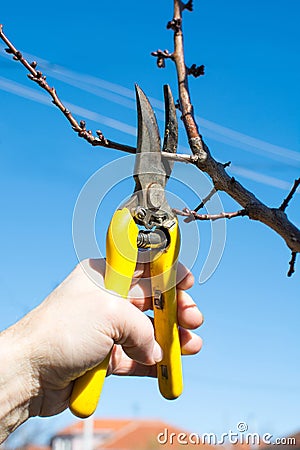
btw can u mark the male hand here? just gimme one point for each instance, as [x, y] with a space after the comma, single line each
[74, 329]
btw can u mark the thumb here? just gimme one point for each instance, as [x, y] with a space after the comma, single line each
[135, 333]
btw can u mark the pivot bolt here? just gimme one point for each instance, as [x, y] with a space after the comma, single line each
[156, 195]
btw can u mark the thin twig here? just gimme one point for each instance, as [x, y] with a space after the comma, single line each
[161, 56]
[292, 264]
[38, 77]
[193, 215]
[289, 197]
[206, 199]
[79, 127]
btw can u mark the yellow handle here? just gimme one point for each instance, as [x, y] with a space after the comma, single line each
[163, 270]
[121, 256]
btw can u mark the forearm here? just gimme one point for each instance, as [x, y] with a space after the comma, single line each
[16, 386]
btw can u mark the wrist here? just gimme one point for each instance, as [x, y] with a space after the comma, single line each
[17, 386]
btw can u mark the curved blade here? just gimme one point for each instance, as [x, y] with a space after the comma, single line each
[148, 164]
[171, 129]
[148, 133]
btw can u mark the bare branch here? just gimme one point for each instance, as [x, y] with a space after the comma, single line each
[79, 127]
[38, 77]
[193, 215]
[292, 264]
[184, 95]
[206, 199]
[274, 218]
[289, 197]
[180, 157]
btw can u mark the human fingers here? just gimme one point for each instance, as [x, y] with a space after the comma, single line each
[184, 277]
[122, 365]
[189, 316]
[141, 290]
[134, 332]
[190, 342]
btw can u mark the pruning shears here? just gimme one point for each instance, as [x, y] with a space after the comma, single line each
[144, 223]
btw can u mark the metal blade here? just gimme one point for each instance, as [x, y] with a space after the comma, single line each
[148, 204]
[171, 129]
[148, 163]
[148, 133]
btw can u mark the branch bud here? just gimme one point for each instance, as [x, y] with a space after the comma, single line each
[188, 6]
[17, 56]
[178, 105]
[161, 55]
[175, 25]
[196, 71]
[101, 137]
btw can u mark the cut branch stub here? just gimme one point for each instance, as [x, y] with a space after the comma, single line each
[292, 264]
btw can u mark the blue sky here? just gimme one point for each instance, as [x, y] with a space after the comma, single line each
[248, 105]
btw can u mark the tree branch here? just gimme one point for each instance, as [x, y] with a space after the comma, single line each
[79, 127]
[193, 215]
[206, 199]
[275, 218]
[289, 197]
[292, 264]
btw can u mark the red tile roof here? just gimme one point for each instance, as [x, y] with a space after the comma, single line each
[132, 434]
[36, 447]
[142, 435]
[138, 434]
[98, 424]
